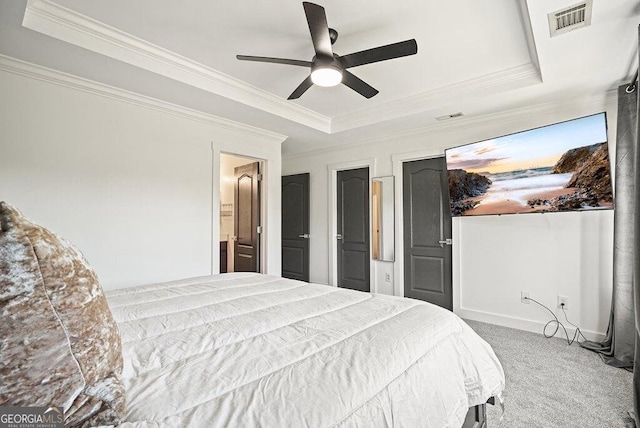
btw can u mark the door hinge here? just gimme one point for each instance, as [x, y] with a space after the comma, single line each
[259, 229]
[259, 177]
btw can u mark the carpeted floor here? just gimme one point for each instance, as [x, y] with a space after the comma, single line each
[550, 384]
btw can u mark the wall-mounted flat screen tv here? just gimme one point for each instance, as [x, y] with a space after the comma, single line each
[555, 168]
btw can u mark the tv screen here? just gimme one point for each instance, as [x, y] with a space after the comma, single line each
[560, 167]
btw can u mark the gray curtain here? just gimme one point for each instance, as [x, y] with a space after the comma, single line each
[621, 346]
[636, 268]
[618, 347]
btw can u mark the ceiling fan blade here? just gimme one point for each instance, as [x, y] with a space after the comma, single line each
[301, 89]
[381, 53]
[317, 20]
[358, 85]
[275, 60]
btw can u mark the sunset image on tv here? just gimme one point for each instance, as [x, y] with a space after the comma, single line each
[560, 167]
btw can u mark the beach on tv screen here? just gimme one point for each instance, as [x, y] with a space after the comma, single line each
[560, 167]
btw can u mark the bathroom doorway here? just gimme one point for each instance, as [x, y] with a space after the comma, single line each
[240, 214]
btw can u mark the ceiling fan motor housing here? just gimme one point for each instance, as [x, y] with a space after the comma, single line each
[333, 35]
[326, 62]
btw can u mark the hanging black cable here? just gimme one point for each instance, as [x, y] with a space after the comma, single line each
[558, 325]
[632, 85]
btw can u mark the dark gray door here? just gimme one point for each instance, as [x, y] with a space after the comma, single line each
[353, 229]
[247, 218]
[427, 221]
[295, 227]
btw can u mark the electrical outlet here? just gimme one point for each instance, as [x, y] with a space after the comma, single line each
[387, 277]
[563, 300]
[524, 297]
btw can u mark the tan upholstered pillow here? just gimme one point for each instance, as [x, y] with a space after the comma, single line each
[59, 344]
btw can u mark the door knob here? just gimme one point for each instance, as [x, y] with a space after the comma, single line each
[305, 236]
[447, 241]
[338, 237]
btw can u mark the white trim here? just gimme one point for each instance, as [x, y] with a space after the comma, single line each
[72, 27]
[528, 31]
[558, 106]
[26, 69]
[521, 323]
[456, 268]
[398, 266]
[264, 196]
[67, 25]
[215, 209]
[332, 172]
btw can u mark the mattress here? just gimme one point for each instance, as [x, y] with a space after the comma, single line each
[248, 349]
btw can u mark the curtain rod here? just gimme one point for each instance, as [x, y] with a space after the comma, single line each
[632, 85]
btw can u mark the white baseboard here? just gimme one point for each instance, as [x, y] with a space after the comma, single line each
[522, 324]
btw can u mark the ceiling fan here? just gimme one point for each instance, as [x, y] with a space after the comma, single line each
[329, 69]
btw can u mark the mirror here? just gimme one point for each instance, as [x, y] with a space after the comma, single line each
[383, 225]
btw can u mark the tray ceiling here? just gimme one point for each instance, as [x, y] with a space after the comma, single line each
[484, 59]
[458, 53]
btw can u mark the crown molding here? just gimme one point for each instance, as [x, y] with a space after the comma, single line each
[528, 32]
[33, 71]
[72, 27]
[47, 17]
[512, 78]
[559, 106]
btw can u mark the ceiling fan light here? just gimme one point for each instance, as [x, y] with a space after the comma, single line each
[326, 76]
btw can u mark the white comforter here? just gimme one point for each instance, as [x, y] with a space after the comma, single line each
[255, 350]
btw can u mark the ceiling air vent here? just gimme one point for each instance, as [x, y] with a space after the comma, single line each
[570, 18]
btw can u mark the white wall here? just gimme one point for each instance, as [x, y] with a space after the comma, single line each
[128, 180]
[495, 257]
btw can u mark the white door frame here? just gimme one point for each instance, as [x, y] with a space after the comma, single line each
[332, 171]
[215, 229]
[398, 267]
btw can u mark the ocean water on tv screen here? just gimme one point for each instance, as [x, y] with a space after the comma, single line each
[560, 167]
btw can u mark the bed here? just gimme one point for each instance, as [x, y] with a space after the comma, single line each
[247, 349]
[240, 349]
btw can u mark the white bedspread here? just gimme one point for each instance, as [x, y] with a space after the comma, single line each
[243, 350]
